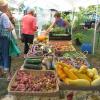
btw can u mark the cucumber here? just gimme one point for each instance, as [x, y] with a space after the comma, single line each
[33, 66]
[33, 61]
[35, 57]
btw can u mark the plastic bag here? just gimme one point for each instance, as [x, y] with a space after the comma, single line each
[13, 48]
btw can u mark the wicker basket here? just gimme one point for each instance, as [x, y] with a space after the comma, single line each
[34, 93]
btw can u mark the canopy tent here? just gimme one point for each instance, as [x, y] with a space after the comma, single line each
[60, 5]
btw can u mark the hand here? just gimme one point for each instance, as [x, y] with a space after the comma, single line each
[44, 33]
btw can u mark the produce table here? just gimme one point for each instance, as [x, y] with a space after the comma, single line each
[61, 87]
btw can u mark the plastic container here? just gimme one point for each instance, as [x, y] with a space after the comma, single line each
[86, 47]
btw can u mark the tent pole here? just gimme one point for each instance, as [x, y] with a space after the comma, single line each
[94, 36]
[19, 26]
[72, 21]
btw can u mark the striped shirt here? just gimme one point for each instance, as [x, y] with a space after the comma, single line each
[4, 24]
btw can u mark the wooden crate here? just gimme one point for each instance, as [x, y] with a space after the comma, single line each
[54, 92]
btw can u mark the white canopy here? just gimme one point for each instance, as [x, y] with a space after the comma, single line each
[60, 5]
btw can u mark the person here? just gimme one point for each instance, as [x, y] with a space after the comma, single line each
[5, 32]
[59, 22]
[29, 27]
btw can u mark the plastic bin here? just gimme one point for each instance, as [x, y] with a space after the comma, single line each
[86, 47]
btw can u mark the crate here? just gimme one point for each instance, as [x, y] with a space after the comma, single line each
[54, 92]
[55, 36]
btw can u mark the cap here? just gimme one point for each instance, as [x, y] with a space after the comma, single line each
[3, 2]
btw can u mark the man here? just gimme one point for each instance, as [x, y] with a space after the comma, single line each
[5, 29]
[29, 28]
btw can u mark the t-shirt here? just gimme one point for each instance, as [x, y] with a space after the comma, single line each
[60, 23]
[29, 24]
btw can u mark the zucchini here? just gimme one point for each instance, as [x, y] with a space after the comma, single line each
[32, 66]
[33, 61]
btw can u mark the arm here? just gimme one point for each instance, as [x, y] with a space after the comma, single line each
[50, 28]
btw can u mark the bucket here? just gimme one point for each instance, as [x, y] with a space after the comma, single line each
[86, 47]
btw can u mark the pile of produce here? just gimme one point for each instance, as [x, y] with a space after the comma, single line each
[67, 61]
[83, 76]
[58, 30]
[62, 46]
[74, 54]
[39, 50]
[26, 81]
[33, 63]
[76, 62]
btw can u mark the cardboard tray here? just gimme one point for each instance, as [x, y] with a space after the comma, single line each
[34, 93]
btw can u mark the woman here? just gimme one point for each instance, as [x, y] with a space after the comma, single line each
[5, 32]
[59, 22]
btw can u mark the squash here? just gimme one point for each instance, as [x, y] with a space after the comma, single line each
[66, 80]
[79, 82]
[60, 72]
[96, 77]
[41, 38]
[74, 70]
[96, 82]
[90, 73]
[70, 74]
[94, 70]
[83, 76]
[80, 75]
[83, 69]
[64, 65]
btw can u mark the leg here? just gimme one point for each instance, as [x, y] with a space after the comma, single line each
[26, 46]
[5, 53]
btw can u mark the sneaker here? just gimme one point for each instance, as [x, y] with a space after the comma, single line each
[6, 70]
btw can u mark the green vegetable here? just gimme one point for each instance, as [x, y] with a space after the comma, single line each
[33, 61]
[32, 66]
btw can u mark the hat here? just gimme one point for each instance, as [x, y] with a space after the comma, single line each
[3, 2]
[30, 10]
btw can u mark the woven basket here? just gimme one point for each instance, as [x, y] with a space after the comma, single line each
[34, 93]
